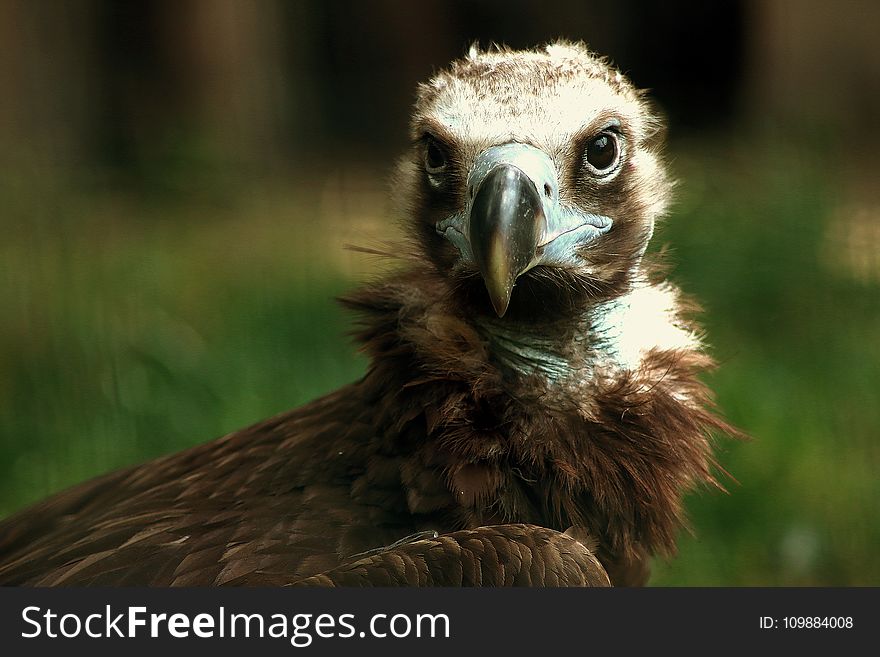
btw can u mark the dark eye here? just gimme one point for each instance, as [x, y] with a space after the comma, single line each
[602, 152]
[435, 156]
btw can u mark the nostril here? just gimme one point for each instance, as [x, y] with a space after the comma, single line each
[548, 190]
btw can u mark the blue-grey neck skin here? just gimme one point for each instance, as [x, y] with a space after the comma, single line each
[595, 342]
[566, 229]
[612, 336]
[528, 353]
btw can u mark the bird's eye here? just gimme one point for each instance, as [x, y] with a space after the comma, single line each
[435, 156]
[602, 152]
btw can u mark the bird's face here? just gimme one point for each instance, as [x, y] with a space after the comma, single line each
[535, 182]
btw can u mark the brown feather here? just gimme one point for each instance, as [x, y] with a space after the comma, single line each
[472, 558]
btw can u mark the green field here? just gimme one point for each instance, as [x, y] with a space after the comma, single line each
[140, 322]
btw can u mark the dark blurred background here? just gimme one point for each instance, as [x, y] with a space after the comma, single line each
[178, 180]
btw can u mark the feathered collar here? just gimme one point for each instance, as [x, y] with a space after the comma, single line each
[602, 423]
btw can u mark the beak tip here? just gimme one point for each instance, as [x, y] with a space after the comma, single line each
[500, 300]
[500, 307]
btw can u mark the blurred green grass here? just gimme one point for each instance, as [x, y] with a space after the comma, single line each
[762, 239]
[139, 323]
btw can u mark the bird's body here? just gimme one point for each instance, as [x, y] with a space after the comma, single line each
[495, 418]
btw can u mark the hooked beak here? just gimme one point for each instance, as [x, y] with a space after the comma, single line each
[506, 225]
[514, 220]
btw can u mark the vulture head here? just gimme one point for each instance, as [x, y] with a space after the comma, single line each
[534, 180]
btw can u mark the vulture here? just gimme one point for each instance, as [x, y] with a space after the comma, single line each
[532, 412]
